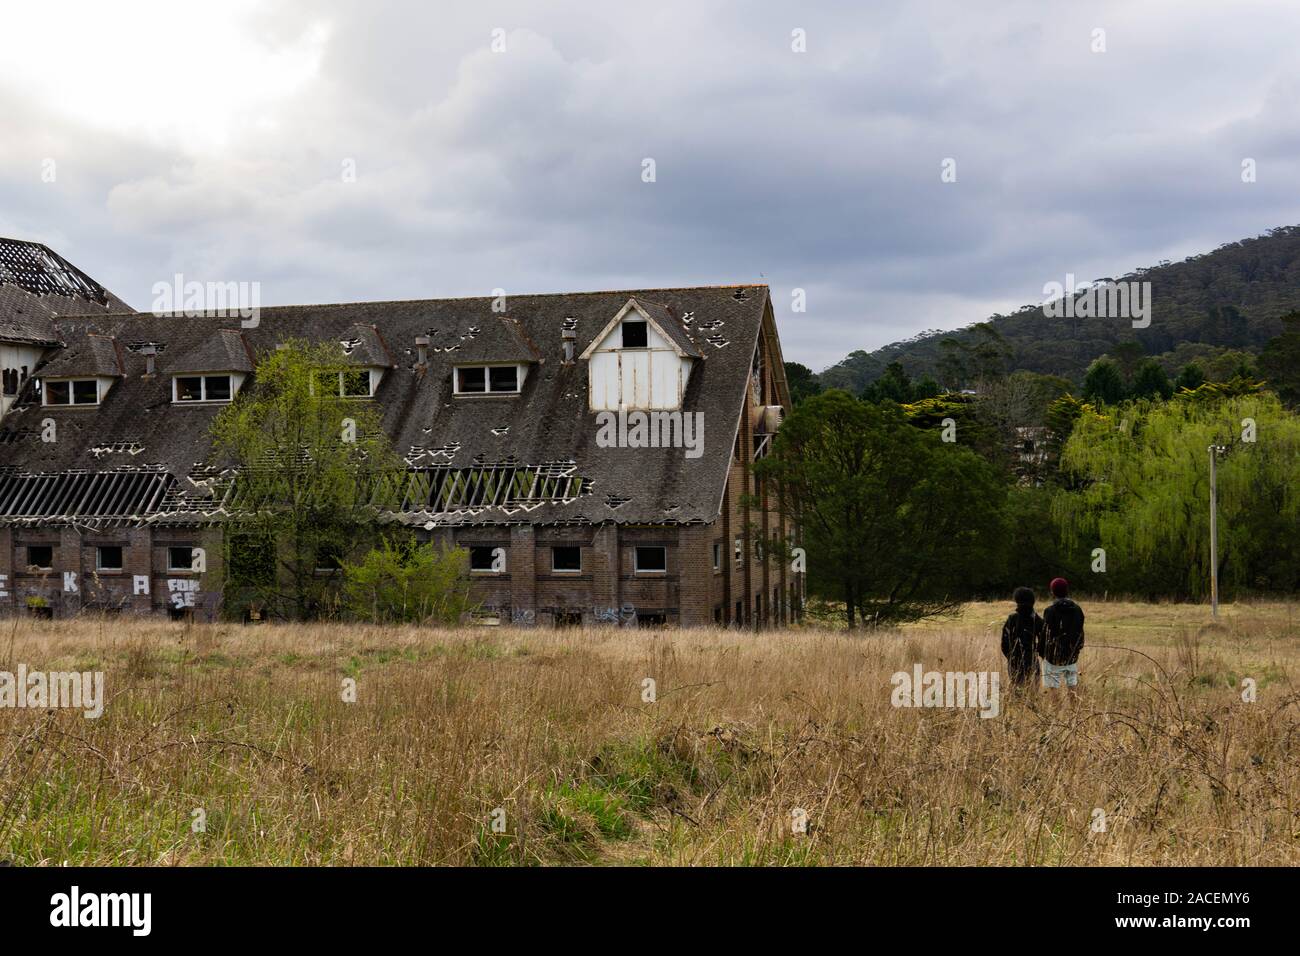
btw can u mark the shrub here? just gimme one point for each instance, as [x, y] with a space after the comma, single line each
[405, 583]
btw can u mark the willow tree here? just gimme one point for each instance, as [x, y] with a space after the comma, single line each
[1142, 494]
[312, 472]
[897, 523]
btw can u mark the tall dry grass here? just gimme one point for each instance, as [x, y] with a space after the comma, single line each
[549, 730]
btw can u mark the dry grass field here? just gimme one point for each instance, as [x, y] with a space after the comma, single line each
[549, 731]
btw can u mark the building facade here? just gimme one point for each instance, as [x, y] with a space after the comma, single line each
[593, 451]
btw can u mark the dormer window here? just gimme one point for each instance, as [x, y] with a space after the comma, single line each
[488, 379]
[350, 383]
[76, 391]
[192, 389]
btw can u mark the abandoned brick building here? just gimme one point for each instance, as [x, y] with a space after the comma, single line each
[496, 405]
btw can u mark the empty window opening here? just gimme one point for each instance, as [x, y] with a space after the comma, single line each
[635, 335]
[651, 559]
[40, 557]
[566, 558]
[180, 558]
[108, 557]
[652, 620]
[485, 558]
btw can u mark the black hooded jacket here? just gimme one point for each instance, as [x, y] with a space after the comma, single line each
[1021, 635]
[1063, 638]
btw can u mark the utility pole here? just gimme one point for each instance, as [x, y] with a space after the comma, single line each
[1214, 450]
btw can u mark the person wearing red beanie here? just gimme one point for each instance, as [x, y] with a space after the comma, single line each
[1062, 639]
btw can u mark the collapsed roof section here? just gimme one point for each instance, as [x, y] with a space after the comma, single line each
[37, 285]
[527, 457]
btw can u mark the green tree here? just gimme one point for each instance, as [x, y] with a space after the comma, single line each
[1191, 377]
[897, 524]
[1280, 361]
[1150, 381]
[1128, 355]
[803, 383]
[894, 386]
[1144, 498]
[311, 473]
[1103, 383]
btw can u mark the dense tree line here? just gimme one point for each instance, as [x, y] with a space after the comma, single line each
[914, 497]
[1225, 305]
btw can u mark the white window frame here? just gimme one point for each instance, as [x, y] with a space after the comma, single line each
[339, 391]
[520, 373]
[717, 556]
[72, 384]
[577, 570]
[740, 550]
[636, 559]
[203, 389]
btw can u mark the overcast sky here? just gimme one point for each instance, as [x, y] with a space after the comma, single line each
[216, 141]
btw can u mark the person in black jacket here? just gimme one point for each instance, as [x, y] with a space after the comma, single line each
[1021, 635]
[1062, 639]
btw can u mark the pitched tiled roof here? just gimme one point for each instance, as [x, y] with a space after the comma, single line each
[363, 346]
[86, 354]
[37, 285]
[225, 350]
[544, 438]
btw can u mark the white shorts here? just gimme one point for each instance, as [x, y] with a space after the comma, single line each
[1054, 674]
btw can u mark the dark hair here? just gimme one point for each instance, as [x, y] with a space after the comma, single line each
[1024, 597]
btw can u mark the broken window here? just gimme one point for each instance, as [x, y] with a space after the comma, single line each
[635, 335]
[483, 558]
[651, 559]
[216, 388]
[108, 557]
[352, 383]
[75, 392]
[189, 389]
[651, 620]
[740, 550]
[566, 558]
[568, 617]
[355, 383]
[180, 558]
[471, 380]
[40, 557]
[329, 557]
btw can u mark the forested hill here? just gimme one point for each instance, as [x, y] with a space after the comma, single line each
[1208, 307]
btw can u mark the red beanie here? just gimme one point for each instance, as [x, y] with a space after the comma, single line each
[1059, 587]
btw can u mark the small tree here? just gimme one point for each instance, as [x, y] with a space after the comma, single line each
[1103, 383]
[311, 471]
[1150, 381]
[405, 583]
